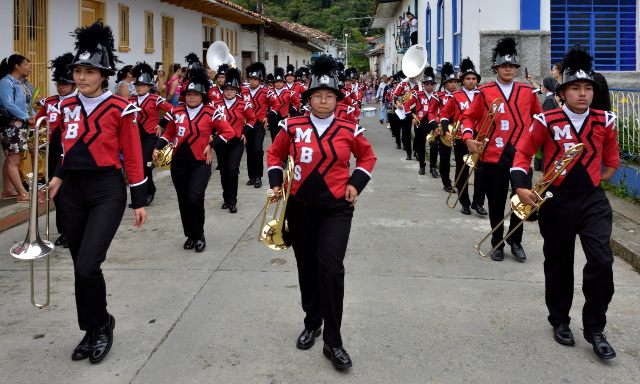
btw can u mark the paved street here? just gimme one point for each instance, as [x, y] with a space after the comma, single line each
[420, 305]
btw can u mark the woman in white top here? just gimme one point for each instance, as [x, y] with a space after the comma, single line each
[124, 82]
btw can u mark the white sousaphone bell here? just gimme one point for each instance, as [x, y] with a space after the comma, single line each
[414, 61]
[218, 54]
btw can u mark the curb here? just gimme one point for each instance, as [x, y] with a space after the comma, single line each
[21, 216]
[626, 254]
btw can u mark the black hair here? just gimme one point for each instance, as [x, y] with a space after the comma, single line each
[122, 73]
[601, 97]
[9, 64]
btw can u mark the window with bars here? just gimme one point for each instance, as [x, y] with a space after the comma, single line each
[30, 39]
[456, 13]
[607, 28]
[123, 40]
[148, 32]
[428, 30]
[167, 41]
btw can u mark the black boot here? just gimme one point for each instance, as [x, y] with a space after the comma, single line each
[83, 349]
[101, 341]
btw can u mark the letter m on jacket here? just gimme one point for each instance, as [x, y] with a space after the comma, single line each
[303, 135]
[565, 132]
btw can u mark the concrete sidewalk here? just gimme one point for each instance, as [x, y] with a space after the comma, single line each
[420, 305]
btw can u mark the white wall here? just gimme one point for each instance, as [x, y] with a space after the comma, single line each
[6, 21]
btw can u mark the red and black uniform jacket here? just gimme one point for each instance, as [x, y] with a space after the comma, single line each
[511, 121]
[262, 102]
[349, 101]
[342, 111]
[240, 115]
[425, 106]
[452, 111]
[215, 93]
[49, 108]
[321, 171]
[300, 87]
[288, 99]
[554, 131]
[191, 136]
[94, 142]
[148, 116]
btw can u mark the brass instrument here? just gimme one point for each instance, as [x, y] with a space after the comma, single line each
[274, 233]
[431, 137]
[33, 247]
[163, 157]
[455, 135]
[524, 211]
[472, 159]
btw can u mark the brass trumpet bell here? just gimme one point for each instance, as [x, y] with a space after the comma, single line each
[165, 155]
[273, 238]
[274, 229]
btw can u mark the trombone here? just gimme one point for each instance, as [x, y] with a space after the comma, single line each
[274, 233]
[472, 159]
[524, 211]
[33, 247]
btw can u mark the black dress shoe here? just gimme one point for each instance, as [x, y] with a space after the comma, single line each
[307, 338]
[518, 252]
[465, 210]
[497, 255]
[448, 188]
[421, 171]
[201, 244]
[189, 244]
[101, 341]
[601, 346]
[479, 209]
[251, 182]
[61, 241]
[83, 349]
[408, 157]
[398, 146]
[130, 205]
[258, 183]
[224, 206]
[149, 200]
[338, 356]
[233, 209]
[563, 335]
[434, 173]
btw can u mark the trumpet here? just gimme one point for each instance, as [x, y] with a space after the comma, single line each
[455, 135]
[471, 159]
[432, 136]
[274, 228]
[163, 157]
[33, 247]
[524, 211]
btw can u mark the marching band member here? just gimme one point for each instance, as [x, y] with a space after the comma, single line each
[269, 81]
[320, 207]
[450, 83]
[193, 61]
[286, 98]
[242, 118]
[66, 88]
[404, 90]
[216, 92]
[291, 85]
[434, 103]
[192, 125]
[394, 121]
[450, 115]
[96, 126]
[579, 205]
[148, 118]
[264, 102]
[512, 118]
[426, 112]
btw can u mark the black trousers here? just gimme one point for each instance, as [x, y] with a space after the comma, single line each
[229, 158]
[407, 124]
[274, 120]
[497, 179]
[55, 151]
[433, 153]
[255, 151]
[190, 181]
[92, 204]
[445, 163]
[589, 216]
[320, 233]
[459, 150]
[148, 142]
[420, 142]
[396, 125]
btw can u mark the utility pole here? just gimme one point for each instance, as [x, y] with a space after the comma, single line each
[260, 10]
[346, 51]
